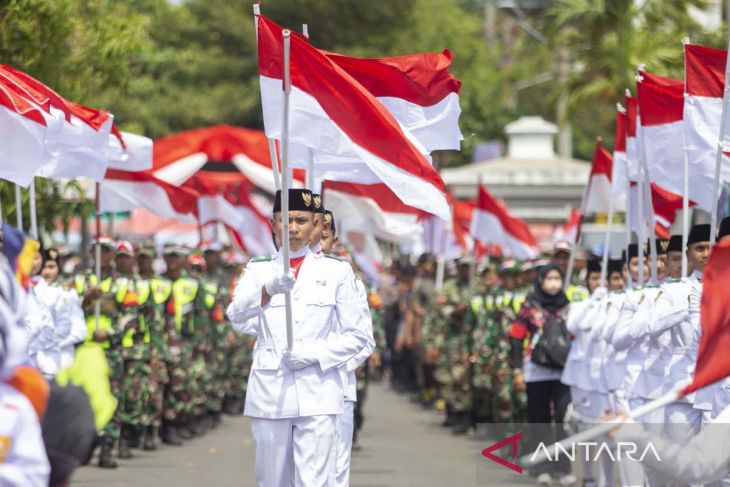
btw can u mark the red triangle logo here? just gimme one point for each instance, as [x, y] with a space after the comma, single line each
[512, 440]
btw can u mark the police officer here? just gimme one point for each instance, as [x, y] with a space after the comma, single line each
[294, 395]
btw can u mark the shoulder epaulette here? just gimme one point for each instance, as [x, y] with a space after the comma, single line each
[335, 258]
[262, 258]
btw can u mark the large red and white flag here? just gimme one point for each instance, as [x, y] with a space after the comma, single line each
[492, 224]
[373, 208]
[177, 157]
[568, 231]
[705, 83]
[661, 114]
[224, 199]
[23, 127]
[124, 191]
[598, 190]
[713, 361]
[77, 141]
[417, 89]
[331, 113]
[129, 152]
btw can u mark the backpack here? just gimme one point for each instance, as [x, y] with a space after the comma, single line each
[551, 343]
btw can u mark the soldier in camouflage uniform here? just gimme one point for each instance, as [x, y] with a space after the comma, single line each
[187, 309]
[454, 367]
[158, 328]
[509, 404]
[217, 284]
[107, 333]
[483, 326]
[240, 348]
[135, 352]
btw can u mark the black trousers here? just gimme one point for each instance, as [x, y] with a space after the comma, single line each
[547, 402]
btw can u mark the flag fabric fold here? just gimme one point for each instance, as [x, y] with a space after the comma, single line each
[598, 190]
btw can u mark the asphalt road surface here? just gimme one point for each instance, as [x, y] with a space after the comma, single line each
[402, 446]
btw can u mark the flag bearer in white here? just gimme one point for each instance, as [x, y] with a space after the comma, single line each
[346, 421]
[295, 395]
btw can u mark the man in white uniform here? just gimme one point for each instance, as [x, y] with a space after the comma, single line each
[295, 395]
[346, 421]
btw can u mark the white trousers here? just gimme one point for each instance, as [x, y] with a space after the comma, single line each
[295, 452]
[345, 428]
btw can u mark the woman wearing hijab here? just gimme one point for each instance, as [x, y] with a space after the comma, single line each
[541, 324]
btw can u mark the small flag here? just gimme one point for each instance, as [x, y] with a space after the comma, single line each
[20, 251]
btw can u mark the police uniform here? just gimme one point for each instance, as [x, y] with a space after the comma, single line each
[294, 407]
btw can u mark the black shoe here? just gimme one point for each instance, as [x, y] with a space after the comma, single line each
[105, 456]
[461, 423]
[124, 452]
[135, 436]
[215, 419]
[148, 444]
[169, 434]
[183, 430]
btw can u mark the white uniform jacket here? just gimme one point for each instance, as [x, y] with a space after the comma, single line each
[580, 317]
[23, 460]
[328, 322]
[348, 370]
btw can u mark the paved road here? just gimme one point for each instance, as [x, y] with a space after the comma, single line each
[402, 446]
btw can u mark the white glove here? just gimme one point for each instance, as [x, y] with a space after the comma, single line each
[296, 359]
[280, 284]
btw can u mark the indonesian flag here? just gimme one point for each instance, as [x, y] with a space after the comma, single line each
[632, 149]
[598, 191]
[713, 361]
[620, 174]
[463, 213]
[661, 106]
[568, 231]
[76, 140]
[23, 128]
[492, 224]
[705, 83]
[129, 152]
[374, 208]
[125, 191]
[179, 156]
[224, 199]
[335, 116]
[417, 89]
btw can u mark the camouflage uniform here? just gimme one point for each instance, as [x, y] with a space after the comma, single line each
[112, 318]
[454, 368]
[484, 317]
[217, 299]
[239, 357]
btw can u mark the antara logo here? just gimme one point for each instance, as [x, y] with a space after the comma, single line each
[512, 440]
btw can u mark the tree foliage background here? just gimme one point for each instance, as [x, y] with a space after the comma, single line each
[162, 66]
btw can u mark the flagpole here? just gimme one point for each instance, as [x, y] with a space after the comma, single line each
[607, 243]
[627, 217]
[649, 206]
[286, 34]
[685, 186]
[718, 158]
[97, 254]
[310, 171]
[641, 227]
[18, 209]
[33, 215]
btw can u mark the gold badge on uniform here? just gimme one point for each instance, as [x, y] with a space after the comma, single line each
[4, 448]
[307, 198]
[664, 245]
[317, 201]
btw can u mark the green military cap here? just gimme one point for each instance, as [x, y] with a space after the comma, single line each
[175, 249]
[147, 248]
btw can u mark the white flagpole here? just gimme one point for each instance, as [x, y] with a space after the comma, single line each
[607, 243]
[97, 255]
[310, 172]
[286, 34]
[18, 209]
[642, 227]
[629, 231]
[718, 159]
[33, 215]
[305, 30]
[685, 187]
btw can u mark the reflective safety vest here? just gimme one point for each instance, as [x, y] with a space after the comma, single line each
[184, 291]
[105, 322]
[211, 290]
[517, 301]
[576, 293]
[143, 293]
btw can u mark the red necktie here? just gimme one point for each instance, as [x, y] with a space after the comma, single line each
[295, 264]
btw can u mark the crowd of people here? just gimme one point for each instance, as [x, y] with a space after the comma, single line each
[508, 342]
[514, 343]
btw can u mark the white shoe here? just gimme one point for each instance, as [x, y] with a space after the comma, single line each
[544, 479]
[568, 480]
